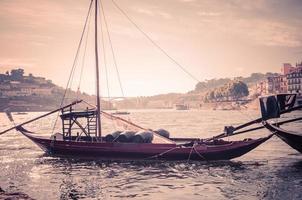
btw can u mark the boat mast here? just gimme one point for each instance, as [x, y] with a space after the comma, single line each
[98, 103]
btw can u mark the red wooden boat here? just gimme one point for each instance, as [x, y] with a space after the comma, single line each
[82, 132]
[180, 149]
[90, 145]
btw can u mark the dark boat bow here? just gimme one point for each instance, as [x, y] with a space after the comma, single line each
[293, 139]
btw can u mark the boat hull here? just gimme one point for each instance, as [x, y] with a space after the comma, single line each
[146, 151]
[291, 138]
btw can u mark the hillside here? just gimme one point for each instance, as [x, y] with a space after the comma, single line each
[195, 98]
[216, 83]
[22, 92]
[32, 93]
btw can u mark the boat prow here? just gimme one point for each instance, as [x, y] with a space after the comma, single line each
[291, 138]
[273, 107]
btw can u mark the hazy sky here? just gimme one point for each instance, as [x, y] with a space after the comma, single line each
[211, 38]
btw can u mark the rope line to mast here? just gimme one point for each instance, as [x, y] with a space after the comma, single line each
[104, 52]
[154, 43]
[161, 49]
[105, 59]
[74, 64]
[161, 154]
[112, 50]
[84, 54]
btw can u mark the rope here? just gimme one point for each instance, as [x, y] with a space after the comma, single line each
[111, 117]
[154, 43]
[161, 49]
[169, 150]
[84, 55]
[74, 64]
[198, 153]
[193, 148]
[190, 152]
[104, 53]
[160, 154]
[112, 51]
[105, 60]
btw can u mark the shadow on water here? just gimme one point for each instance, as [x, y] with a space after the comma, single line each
[286, 182]
[92, 163]
[90, 178]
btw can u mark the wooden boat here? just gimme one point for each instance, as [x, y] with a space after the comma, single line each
[291, 138]
[189, 150]
[274, 107]
[161, 147]
[82, 133]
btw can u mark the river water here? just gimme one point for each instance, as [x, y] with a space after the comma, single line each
[272, 171]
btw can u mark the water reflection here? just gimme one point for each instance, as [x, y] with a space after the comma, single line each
[286, 182]
[80, 178]
[265, 173]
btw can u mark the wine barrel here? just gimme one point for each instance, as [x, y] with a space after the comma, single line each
[112, 136]
[163, 132]
[143, 137]
[126, 136]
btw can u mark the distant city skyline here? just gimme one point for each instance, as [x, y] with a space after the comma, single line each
[211, 38]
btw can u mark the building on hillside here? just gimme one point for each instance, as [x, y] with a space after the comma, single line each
[276, 84]
[41, 80]
[260, 88]
[283, 84]
[5, 86]
[3, 77]
[287, 68]
[13, 93]
[42, 91]
[15, 84]
[287, 81]
[294, 81]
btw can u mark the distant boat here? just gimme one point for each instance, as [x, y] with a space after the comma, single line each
[21, 113]
[120, 113]
[181, 107]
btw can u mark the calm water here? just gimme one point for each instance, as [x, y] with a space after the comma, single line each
[272, 171]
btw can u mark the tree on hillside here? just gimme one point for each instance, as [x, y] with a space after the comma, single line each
[238, 89]
[17, 74]
[215, 83]
[234, 90]
[210, 84]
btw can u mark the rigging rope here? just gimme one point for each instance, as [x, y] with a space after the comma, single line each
[84, 54]
[112, 51]
[160, 48]
[74, 64]
[106, 71]
[104, 52]
[154, 43]
[105, 62]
